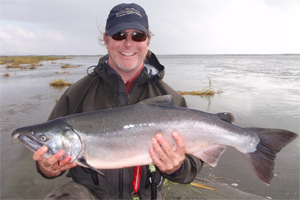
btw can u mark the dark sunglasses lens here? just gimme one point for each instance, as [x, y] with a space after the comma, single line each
[139, 37]
[136, 36]
[119, 36]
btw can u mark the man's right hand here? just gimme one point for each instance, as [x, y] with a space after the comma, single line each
[52, 166]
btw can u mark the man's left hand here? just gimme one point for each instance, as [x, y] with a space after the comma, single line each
[164, 157]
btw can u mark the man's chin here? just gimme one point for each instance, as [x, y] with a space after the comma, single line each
[128, 69]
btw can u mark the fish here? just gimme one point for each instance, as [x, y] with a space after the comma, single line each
[120, 137]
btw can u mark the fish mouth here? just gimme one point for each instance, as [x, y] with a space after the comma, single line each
[32, 144]
[27, 138]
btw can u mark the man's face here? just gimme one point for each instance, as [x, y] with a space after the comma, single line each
[126, 55]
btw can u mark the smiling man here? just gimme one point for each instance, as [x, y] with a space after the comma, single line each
[128, 74]
[126, 56]
[127, 39]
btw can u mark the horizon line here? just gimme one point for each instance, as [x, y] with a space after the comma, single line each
[187, 54]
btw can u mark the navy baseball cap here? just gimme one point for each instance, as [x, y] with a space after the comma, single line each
[127, 16]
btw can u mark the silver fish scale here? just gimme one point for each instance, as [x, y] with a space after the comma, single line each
[107, 133]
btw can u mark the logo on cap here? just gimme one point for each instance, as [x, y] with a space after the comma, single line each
[128, 11]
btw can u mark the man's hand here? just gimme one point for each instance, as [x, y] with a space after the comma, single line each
[52, 166]
[163, 156]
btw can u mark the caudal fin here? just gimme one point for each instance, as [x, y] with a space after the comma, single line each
[271, 142]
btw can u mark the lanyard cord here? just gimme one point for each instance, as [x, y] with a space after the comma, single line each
[136, 179]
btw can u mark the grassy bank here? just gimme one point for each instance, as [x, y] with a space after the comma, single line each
[22, 61]
[70, 66]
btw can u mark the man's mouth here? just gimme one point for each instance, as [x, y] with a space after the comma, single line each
[127, 54]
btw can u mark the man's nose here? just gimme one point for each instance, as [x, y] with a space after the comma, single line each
[128, 41]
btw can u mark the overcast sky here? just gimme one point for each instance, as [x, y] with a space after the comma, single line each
[71, 27]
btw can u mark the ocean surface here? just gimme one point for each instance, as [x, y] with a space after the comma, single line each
[259, 90]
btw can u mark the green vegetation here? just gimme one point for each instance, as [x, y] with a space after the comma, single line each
[22, 61]
[70, 66]
[60, 83]
[204, 92]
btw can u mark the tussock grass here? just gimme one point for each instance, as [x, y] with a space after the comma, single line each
[205, 92]
[70, 66]
[30, 66]
[6, 74]
[60, 83]
[66, 72]
[13, 66]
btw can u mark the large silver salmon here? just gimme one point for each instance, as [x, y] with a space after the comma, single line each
[121, 137]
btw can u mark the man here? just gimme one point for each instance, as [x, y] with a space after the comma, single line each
[127, 75]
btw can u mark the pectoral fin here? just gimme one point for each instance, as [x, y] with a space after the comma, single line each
[84, 162]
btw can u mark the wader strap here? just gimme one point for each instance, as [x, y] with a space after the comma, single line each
[152, 180]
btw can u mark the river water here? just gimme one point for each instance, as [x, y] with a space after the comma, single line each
[259, 90]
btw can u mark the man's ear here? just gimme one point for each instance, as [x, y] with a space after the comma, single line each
[149, 39]
[105, 39]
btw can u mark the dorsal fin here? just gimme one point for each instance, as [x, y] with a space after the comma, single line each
[159, 100]
[228, 117]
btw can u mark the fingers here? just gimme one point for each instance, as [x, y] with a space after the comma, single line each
[54, 159]
[39, 153]
[164, 157]
[53, 165]
[179, 142]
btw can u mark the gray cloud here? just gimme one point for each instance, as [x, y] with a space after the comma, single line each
[180, 27]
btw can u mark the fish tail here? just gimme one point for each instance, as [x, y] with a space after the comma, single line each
[271, 142]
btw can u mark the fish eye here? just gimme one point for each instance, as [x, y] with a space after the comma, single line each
[43, 137]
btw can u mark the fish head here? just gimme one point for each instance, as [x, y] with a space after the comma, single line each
[54, 134]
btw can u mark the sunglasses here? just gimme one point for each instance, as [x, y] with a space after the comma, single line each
[135, 36]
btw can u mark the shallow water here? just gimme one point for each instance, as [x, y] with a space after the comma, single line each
[259, 90]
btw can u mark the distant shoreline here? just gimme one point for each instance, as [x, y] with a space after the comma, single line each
[283, 54]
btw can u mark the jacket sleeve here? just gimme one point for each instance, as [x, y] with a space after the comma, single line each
[191, 166]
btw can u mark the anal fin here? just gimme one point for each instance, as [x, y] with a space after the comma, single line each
[211, 154]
